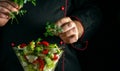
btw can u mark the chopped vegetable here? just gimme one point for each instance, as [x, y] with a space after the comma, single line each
[38, 55]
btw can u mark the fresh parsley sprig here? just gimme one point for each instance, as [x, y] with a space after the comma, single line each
[20, 4]
[52, 29]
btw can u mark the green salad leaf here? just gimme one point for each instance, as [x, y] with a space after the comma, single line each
[21, 12]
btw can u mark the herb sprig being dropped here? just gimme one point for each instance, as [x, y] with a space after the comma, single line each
[20, 12]
[52, 29]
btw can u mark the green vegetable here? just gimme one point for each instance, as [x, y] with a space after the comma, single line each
[20, 12]
[32, 58]
[49, 62]
[52, 29]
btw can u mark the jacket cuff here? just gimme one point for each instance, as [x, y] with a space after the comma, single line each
[81, 46]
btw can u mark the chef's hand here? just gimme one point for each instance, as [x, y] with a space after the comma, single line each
[6, 6]
[72, 30]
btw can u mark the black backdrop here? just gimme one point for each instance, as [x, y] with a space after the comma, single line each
[103, 50]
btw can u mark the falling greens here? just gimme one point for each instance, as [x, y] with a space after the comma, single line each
[20, 12]
[52, 29]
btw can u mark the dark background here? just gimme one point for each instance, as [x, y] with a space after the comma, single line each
[103, 51]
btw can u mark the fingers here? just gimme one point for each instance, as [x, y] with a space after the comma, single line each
[63, 21]
[9, 5]
[69, 30]
[70, 40]
[13, 4]
[68, 26]
[4, 12]
[6, 7]
[69, 33]
[3, 21]
[3, 16]
[70, 36]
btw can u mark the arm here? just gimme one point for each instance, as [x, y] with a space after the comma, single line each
[82, 23]
[89, 15]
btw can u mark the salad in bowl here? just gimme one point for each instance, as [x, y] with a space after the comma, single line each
[38, 55]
